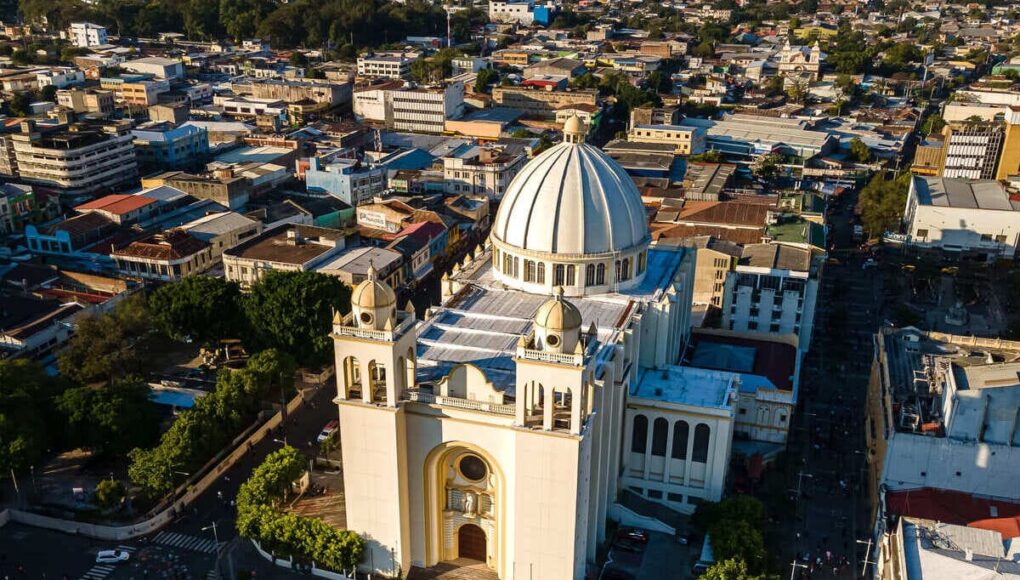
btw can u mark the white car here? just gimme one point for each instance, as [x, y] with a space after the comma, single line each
[111, 556]
[327, 431]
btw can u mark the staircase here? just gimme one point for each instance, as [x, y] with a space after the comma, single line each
[653, 509]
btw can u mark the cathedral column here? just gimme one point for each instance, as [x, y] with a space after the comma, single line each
[522, 405]
[576, 400]
[549, 401]
[648, 444]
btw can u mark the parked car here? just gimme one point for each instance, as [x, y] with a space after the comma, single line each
[327, 431]
[112, 557]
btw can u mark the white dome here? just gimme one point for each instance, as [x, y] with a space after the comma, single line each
[573, 199]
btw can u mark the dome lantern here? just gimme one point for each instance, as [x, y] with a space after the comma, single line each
[557, 325]
[373, 302]
[574, 130]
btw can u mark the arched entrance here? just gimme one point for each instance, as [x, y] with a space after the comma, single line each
[471, 542]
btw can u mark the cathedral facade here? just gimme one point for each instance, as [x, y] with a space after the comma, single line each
[503, 425]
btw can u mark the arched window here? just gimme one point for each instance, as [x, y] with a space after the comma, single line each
[700, 452]
[516, 267]
[529, 271]
[541, 273]
[600, 277]
[617, 272]
[642, 262]
[659, 430]
[639, 434]
[681, 430]
[558, 275]
[508, 264]
[625, 275]
[589, 275]
[495, 258]
[571, 276]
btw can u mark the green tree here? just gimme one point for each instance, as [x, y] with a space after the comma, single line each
[109, 494]
[859, 151]
[933, 124]
[704, 49]
[711, 156]
[766, 166]
[733, 569]
[293, 311]
[198, 433]
[486, 76]
[774, 87]
[201, 307]
[29, 423]
[109, 345]
[111, 419]
[881, 203]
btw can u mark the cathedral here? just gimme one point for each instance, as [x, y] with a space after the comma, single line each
[502, 425]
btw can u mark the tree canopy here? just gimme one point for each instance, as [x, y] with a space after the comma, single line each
[110, 419]
[202, 307]
[881, 203]
[109, 346]
[29, 421]
[292, 311]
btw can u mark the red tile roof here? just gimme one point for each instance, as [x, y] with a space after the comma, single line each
[117, 203]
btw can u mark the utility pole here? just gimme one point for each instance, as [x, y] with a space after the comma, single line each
[216, 536]
[867, 554]
[793, 567]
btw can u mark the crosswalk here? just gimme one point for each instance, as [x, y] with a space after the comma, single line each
[101, 571]
[186, 542]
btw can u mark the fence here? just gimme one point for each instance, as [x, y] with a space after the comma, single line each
[121, 533]
[289, 564]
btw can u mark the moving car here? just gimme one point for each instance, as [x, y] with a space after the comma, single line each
[327, 431]
[112, 557]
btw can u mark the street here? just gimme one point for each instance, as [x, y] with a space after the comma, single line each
[826, 448]
[188, 545]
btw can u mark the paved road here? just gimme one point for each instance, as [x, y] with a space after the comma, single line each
[187, 545]
[826, 448]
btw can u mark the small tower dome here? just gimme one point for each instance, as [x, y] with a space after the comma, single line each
[574, 130]
[374, 303]
[557, 325]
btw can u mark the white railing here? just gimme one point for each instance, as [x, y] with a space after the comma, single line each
[456, 402]
[349, 328]
[570, 359]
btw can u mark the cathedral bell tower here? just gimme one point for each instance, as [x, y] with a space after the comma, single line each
[375, 364]
[554, 389]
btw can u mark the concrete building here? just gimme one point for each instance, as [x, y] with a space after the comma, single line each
[86, 34]
[60, 77]
[350, 180]
[1009, 161]
[504, 426]
[962, 216]
[224, 187]
[773, 289]
[512, 12]
[942, 437]
[289, 247]
[540, 103]
[161, 145]
[971, 150]
[716, 259]
[80, 159]
[222, 231]
[157, 66]
[482, 170]
[164, 257]
[420, 110]
[388, 65]
[743, 137]
[87, 100]
[687, 140]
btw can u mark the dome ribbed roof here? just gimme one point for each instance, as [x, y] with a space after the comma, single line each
[572, 199]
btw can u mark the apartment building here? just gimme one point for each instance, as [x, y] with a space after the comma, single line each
[542, 103]
[77, 159]
[387, 65]
[773, 289]
[224, 187]
[86, 34]
[971, 150]
[347, 179]
[482, 169]
[686, 140]
[161, 145]
[512, 12]
[157, 66]
[421, 109]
